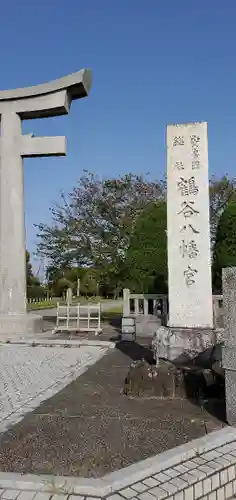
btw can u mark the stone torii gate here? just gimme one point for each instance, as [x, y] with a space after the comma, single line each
[46, 100]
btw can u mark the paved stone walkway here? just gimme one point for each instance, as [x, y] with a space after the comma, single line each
[29, 375]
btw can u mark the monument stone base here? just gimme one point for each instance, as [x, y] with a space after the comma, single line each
[20, 325]
[171, 342]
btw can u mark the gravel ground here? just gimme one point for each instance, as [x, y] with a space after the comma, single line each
[90, 428]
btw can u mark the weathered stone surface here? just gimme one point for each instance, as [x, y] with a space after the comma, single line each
[170, 343]
[189, 261]
[18, 325]
[229, 303]
[164, 380]
[229, 350]
[138, 378]
[168, 380]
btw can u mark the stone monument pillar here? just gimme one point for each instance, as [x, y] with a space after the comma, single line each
[190, 324]
[229, 348]
[46, 100]
[189, 259]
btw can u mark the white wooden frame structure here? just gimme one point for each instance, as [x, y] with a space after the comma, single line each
[78, 318]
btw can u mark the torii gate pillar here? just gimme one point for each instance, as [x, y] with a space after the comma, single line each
[46, 100]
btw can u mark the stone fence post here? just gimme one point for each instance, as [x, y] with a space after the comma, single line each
[126, 302]
[229, 348]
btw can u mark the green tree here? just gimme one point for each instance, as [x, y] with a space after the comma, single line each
[146, 261]
[61, 286]
[60, 278]
[221, 192]
[92, 225]
[224, 254]
[89, 282]
[29, 272]
[34, 288]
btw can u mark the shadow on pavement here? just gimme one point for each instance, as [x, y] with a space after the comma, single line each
[136, 351]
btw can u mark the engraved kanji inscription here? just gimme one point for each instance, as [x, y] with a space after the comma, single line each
[179, 165]
[178, 140]
[185, 227]
[188, 209]
[195, 164]
[187, 186]
[195, 141]
[195, 144]
[189, 275]
[189, 249]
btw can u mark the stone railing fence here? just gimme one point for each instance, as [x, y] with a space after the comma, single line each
[136, 304]
[39, 300]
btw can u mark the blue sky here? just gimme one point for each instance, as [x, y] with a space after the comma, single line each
[154, 62]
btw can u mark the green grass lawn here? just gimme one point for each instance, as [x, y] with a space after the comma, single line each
[37, 306]
[46, 304]
[114, 312]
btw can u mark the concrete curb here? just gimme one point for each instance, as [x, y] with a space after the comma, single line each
[59, 343]
[123, 478]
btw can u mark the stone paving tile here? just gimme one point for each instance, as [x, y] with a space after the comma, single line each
[161, 477]
[76, 497]
[59, 497]
[93, 498]
[169, 487]
[229, 490]
[116, 496]
[127, 493]
[151, 482]
[158, 493]
[139, 487]
[42, 496]
[171, 473]
[10, 494]
[26, 495]
[179, 482]
[146, 496]
[189, 493]
[181, 468]
[215, 481]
